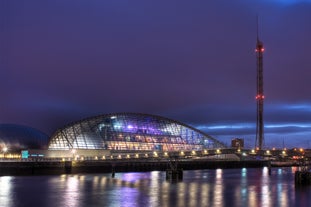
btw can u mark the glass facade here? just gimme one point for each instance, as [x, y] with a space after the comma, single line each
[129, 131]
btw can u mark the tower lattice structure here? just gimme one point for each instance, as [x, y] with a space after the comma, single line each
[259, 96]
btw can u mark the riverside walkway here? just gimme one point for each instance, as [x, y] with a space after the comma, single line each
[148, 161]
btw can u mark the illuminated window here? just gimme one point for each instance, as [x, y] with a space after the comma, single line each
[132, 132]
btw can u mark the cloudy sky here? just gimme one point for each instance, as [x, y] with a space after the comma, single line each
[192, 61]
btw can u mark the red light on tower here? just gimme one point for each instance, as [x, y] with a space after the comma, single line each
[259, 49]
[260, 97]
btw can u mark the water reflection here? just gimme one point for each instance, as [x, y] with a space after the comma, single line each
[252, 198]
[218, 197]
[265, 191]
[205, 195]
[227, 187]
[199, 188]
[241, 192]
[193, 187]
[70, 188]
[5, 191]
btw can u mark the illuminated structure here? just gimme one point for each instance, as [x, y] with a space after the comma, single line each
[131, 132]
[16, 137]
[260, 95]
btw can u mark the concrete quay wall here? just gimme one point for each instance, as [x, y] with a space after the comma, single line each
[108, 166]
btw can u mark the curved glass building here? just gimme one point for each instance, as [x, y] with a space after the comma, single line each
[131, 131]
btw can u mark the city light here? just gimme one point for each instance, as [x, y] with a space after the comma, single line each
[5, 149]
[144, 130]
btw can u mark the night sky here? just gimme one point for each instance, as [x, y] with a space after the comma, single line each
[192, 61]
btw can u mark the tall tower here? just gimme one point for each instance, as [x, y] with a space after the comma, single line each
[260, 95]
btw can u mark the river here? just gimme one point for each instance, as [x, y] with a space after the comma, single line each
[220, 187]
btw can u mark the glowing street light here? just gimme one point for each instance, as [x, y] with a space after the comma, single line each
[5, 149]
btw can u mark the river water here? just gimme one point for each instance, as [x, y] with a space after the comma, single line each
[221, 187]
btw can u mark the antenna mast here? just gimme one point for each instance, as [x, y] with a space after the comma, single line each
[260, 95]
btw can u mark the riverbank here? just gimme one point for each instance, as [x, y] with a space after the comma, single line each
[108, 166]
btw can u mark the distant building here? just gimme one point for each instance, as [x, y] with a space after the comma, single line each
[237, 143]
[17, 137]
[14, 138]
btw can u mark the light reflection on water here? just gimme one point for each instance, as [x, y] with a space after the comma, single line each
[222, 187]
[218, 194]
[5, 191]
[265, 191]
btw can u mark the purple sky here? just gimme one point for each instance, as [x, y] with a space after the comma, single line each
[192, 61]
